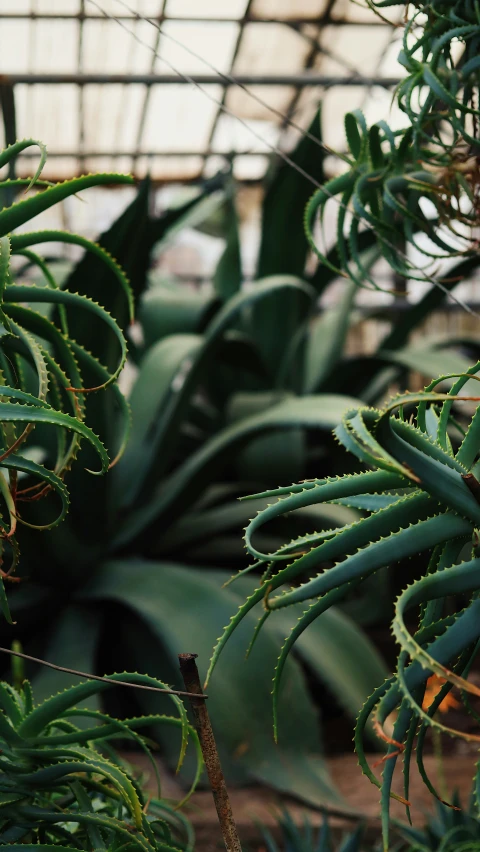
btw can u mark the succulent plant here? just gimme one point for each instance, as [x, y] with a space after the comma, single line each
[62, 785]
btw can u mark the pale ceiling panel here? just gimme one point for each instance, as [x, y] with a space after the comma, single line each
[179, 118]
[270, 49]
[288, 8]
[55, 7]
[122, 165]
[347, 10]
[111, 117]
[20, 7]
[99, 164]
[231, 135]
[54, 47]
[360, 47]
[214, 41]
[169, 168]
[56, 168]
[182, 118]
[128, 8]
[243, 105]
[250, 168]
[110, 49]
[206, 8]
[49, 113]
[15, 46]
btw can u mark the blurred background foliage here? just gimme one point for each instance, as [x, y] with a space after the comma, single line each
[234, 387]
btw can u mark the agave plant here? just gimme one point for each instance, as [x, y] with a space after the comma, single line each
[64, 787]
[127, 561]
[308, 839]
[447, 830]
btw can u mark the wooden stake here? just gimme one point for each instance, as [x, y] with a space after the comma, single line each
[188, 668]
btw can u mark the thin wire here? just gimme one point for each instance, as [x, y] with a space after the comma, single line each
[99, 678]
[276, 150]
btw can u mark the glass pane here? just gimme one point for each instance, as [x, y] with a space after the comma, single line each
[346, 10]
[171, 168]
[56, 168]
[278, 9]
[112, 117]
[14, 46]
[56, 7]
[243, 105]
[49, 113]
[53, 47]
[110, 49]
[352, 49]
[206, 8]
[250, 168]
[214, 41]
[15, 7]
[179, 118]
[232, 135]
[270, 49]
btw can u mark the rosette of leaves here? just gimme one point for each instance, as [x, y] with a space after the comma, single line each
[391, 175]
[307, 838]
[385, 189]
[45, 372]
[134, 574]
[420, 494]
[447, 830]
[63, 786]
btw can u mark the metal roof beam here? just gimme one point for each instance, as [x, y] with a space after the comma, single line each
[218, 19]
[228, 155]
[301, 80]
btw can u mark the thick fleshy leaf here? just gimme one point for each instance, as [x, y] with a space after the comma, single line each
[172, 310]
[273, 458]
[326, 341]
[228, 274]
[183, 485]
[240, 705]
[73, 643]
[284, 248]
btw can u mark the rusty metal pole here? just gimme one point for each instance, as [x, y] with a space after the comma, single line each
[188, 668]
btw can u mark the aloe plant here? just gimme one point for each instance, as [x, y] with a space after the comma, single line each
[419, 487]
[43, 370]
[433, 159]
[63, 786]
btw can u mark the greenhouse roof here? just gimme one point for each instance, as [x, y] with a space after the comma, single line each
[147, 85]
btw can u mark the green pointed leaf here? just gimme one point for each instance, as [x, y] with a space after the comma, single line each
[156, 592]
